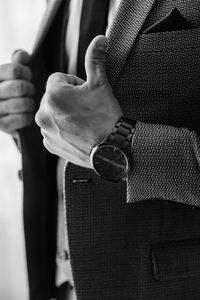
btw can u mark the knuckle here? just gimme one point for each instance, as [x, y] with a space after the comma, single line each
[47, 145]
[37, 118]
[54, 81]
[55, 76]
[40, 119]
[51, 98]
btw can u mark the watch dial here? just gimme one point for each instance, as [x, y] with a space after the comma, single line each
[110, 162]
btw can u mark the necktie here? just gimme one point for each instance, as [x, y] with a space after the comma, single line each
[93, 22]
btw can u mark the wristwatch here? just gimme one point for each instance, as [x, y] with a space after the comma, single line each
[111, 159]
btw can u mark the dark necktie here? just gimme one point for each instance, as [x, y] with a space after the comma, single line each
[93, 22]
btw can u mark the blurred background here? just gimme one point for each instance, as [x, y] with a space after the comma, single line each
[19, 22]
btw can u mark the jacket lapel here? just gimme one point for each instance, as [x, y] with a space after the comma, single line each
[130, 17]
[47, 20]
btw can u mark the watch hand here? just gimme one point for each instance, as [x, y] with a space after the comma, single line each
[110, 161]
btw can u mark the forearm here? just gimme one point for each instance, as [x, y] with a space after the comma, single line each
[166, 164]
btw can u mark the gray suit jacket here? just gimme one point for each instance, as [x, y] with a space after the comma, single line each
[140, 239]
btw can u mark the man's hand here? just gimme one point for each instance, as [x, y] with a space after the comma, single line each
[75, 115]
[16, 91]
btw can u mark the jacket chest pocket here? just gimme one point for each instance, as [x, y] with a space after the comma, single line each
[162, 78]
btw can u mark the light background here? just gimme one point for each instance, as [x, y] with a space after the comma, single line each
[19, 22]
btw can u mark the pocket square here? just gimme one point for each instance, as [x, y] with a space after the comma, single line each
[171, 22]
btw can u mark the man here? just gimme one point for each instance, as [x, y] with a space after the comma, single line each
[17, 107]
[137, 238]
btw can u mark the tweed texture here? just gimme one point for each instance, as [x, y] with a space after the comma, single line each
[144, 250]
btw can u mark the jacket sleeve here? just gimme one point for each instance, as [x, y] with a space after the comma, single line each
[166, 165]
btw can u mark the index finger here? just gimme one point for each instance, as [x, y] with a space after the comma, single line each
[14, 71]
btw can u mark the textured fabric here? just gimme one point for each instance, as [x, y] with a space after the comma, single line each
[37, 212]
[138, 247]
[165, 91]
[176, 260]
[63, 268]
[126, 26]
[119, 250]
[39, 189]
[72, 33]
[166, 165]
[111, 242]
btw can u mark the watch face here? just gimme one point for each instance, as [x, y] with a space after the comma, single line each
[110, 162]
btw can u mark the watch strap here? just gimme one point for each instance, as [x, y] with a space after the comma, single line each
[123, 133]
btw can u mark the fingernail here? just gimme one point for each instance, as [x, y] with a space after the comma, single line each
[101, 44]
[16, 51]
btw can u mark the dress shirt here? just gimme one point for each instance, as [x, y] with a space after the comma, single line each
[63, 273]
[72, 34]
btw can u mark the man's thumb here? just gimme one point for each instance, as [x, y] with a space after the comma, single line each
[21, 57]
[95, 62]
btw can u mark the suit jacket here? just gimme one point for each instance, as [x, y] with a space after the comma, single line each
[138, 239]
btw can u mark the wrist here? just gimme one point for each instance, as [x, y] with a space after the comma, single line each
[111, 159]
